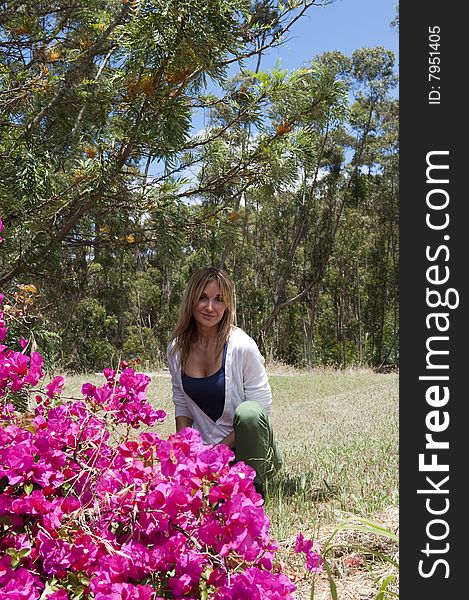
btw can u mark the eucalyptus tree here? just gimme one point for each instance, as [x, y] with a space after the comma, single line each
[329, 172]
[361, 286]
[95, 115]
[316, 173]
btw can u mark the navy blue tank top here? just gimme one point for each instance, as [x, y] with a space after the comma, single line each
[208, 392]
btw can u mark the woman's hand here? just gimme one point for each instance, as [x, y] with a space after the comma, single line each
[229, 440]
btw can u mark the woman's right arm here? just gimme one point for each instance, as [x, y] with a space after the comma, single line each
[182, 422]
[181, 410]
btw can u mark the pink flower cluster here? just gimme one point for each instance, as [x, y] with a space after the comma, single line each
[3, 325]
[89, 511]
[314, 561]
[16, 368]
[125, 398]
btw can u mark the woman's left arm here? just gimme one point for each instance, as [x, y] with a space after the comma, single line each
[255, 380]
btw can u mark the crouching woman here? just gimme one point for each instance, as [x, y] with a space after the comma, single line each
[219, 382]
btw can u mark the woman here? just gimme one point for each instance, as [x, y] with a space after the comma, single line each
[220, 385]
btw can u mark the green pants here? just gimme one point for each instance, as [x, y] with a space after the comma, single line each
[254, 442]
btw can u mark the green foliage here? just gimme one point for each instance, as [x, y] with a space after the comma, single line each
[87, 345]
[109, 203]
[141, 344]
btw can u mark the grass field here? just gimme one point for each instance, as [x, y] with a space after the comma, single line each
[339, 435]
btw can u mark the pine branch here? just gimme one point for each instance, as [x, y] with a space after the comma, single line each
[78, 70]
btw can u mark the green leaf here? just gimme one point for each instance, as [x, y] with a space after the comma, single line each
[50, 587]
[384, 586]
[17, 555]
[332, 585]
[367, 527]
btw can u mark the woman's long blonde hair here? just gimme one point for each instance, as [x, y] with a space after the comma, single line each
[185, 331]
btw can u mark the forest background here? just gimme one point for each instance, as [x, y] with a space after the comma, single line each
[110, 196]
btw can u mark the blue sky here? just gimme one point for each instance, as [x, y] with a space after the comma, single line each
[344, 25]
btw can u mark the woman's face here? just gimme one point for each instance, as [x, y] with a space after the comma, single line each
[210, 307]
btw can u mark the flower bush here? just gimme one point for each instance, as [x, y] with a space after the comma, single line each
[92, 508]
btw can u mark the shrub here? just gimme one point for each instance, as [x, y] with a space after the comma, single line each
[93, 507]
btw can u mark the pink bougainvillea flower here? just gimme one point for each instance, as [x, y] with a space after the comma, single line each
[56, 554]
[110, 374]
[19, 583]
[314, 561]
[180, 586]
[88, 389]
[35, 369]
[54, 388]
[256, 584]
[102, 394]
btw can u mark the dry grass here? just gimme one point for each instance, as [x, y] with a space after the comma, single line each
[339, 434]
[358, 573]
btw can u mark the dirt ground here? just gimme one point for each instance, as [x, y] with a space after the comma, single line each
[358, 575]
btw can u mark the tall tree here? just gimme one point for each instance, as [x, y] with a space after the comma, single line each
[93, 91]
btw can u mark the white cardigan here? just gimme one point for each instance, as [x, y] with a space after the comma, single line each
[245, 379]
